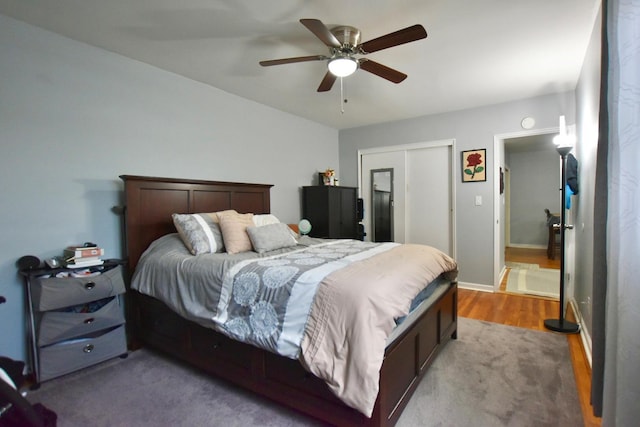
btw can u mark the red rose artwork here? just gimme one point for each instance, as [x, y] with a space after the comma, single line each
[474, 165]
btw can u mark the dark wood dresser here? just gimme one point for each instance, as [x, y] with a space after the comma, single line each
[331, 211]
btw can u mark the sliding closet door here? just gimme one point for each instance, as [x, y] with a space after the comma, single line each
[385, 160]
[429, 214]
[423, 187]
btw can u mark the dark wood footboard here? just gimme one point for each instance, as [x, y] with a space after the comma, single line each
[284, 380]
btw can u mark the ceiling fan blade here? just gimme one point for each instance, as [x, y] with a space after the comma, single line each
[406, 35]
[327, 82]
[292, 60]
[382, 71]
[321, 31]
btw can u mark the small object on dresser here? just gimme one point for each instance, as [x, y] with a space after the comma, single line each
[52, 262]
[82, 252]
[304, 226]
[28, 262]
[81, 256]
[84, 263]
[329, 177]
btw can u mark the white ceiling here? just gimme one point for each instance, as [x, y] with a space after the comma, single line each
[478, 52]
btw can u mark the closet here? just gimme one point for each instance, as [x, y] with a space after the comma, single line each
[423, 189]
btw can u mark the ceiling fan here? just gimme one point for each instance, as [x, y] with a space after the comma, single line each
[344, 44]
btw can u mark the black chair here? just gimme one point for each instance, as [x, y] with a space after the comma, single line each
[15, 410]
[553, 224]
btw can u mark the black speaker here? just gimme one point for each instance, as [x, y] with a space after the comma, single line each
[28, 262]
[360, 209]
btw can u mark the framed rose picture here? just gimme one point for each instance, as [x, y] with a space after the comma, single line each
[474, 165]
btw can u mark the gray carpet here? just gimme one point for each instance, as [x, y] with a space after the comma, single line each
[493, 375]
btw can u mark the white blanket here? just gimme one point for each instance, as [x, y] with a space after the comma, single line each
[353, 314]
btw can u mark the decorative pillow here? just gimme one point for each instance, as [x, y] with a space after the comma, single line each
[264, 219]
[270, 237]
[199, 232]
[234, 231]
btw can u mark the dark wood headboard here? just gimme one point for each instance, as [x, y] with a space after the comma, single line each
[150, 201]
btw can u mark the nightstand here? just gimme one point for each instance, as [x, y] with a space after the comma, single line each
[75, 320]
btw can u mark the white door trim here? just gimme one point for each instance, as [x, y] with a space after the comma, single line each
[498, 145]
[405, 147]
[416, 146]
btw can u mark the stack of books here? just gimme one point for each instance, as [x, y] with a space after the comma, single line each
[82, 256]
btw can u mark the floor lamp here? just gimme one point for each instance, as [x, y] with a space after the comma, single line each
[561, 324]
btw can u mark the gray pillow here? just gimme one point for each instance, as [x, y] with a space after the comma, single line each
[200, 233]
[271, 237]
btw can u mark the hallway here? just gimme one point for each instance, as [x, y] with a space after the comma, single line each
[528, 256]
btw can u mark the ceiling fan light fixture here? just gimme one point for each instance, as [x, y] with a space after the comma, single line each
[343, 66]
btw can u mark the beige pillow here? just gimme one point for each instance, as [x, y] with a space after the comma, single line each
[234, 231]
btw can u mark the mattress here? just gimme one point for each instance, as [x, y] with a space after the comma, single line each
[190, 284]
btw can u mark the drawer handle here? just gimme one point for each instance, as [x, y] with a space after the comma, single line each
[88, 348]
[89, 321]
[90, 285]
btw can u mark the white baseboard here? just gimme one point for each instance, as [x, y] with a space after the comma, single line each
[584, 333]
[475, 287]
[502, 273]
[526, 246]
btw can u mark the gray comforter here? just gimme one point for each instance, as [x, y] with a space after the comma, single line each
[260, 299]
[331, 304]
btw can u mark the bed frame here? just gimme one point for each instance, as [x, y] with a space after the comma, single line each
[150, 201]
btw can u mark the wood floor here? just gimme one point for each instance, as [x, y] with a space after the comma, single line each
[530, 312]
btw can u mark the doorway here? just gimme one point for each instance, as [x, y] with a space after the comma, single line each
[530, 168]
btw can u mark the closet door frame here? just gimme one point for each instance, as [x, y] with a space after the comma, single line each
[417, 146]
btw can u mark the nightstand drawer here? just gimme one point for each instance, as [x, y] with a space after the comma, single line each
[59, 325]
[53, 293]
[68, 356]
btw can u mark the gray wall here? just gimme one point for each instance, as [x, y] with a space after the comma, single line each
[473, 128]
[73, 118]
[535, 184]
[587, 98]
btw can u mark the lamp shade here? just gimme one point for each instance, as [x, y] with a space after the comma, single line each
[564, 139]
[343, 66]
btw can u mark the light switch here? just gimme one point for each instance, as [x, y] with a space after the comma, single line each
[478, 200]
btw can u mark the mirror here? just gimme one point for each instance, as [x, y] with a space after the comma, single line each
[382, 205]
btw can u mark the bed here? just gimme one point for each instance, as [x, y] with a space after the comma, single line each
[149, 205]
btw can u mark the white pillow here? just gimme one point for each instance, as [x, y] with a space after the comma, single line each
[265, 219]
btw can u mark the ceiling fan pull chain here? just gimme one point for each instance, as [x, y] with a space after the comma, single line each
[343, 100]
